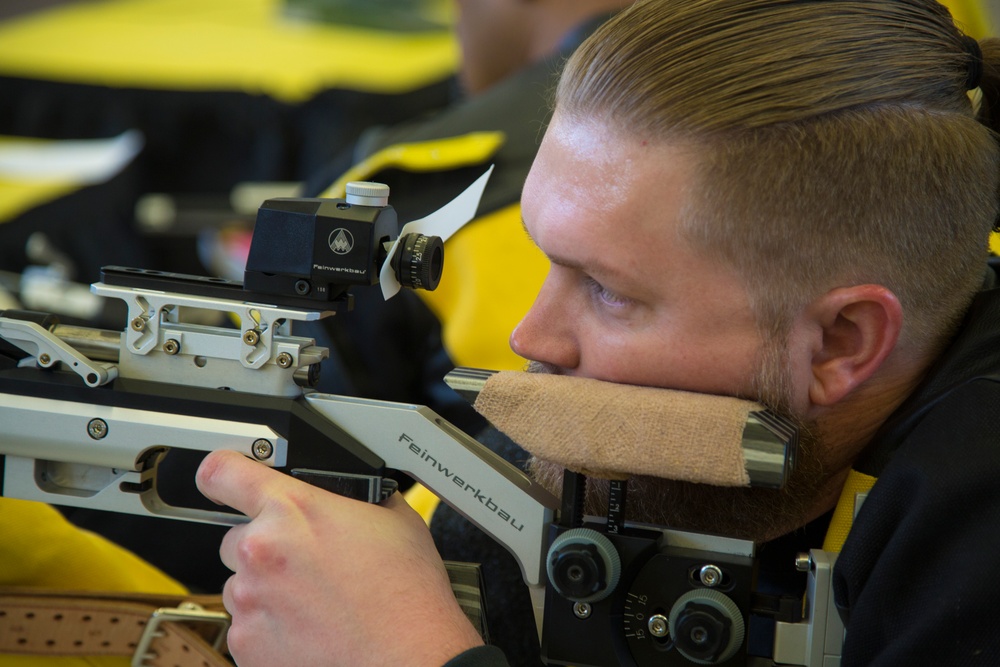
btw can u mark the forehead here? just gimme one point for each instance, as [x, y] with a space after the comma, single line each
[594, 184]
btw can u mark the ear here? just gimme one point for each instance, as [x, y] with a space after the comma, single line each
[859, 327]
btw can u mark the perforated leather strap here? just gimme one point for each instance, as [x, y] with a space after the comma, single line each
[164, 630]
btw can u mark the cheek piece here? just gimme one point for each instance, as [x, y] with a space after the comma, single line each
[609, 430]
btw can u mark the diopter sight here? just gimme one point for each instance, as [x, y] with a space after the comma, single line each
[317, 248]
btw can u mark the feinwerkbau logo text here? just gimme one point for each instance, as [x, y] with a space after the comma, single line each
[485, 501]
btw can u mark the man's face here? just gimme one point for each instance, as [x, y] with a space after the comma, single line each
[627, 300]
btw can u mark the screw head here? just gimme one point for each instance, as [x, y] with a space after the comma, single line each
[171, 346]
[710, 575]
[97, 428]
[582, 609]
[803, 562]
[283, 360]
[262, 449]
[251, 337]
[44, 359]
[138, 324]
[659, 625]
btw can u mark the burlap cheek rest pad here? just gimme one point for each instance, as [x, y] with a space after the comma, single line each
[610, 430]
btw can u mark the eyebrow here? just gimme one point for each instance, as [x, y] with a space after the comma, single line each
[597, 270]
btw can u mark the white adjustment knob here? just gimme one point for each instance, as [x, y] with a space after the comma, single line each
[366, 193]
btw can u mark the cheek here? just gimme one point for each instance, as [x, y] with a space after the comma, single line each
[703, 363]
[621, 356]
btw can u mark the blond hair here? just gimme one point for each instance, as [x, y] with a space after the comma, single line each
[836, 142]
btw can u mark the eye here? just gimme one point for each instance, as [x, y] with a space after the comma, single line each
[606, 296]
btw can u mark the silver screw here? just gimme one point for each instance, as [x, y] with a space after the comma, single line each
[171, 346]
[710, 575]
[658, 625]
[44, 359]
[262, 449]
[138, 324]
[284, 360]
[97, 428]
[803, 562]
[251, 337]
[582, 609]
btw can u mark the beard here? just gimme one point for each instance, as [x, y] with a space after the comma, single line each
[757, 514]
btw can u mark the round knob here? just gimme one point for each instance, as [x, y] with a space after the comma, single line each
[366, 193]
[706, 626]
[583, 565]
[419, 261]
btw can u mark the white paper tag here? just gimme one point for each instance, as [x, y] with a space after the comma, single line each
[443, 222]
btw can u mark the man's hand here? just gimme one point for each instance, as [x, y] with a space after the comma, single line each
[325, 580]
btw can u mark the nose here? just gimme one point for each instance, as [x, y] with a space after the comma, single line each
[547, 332]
